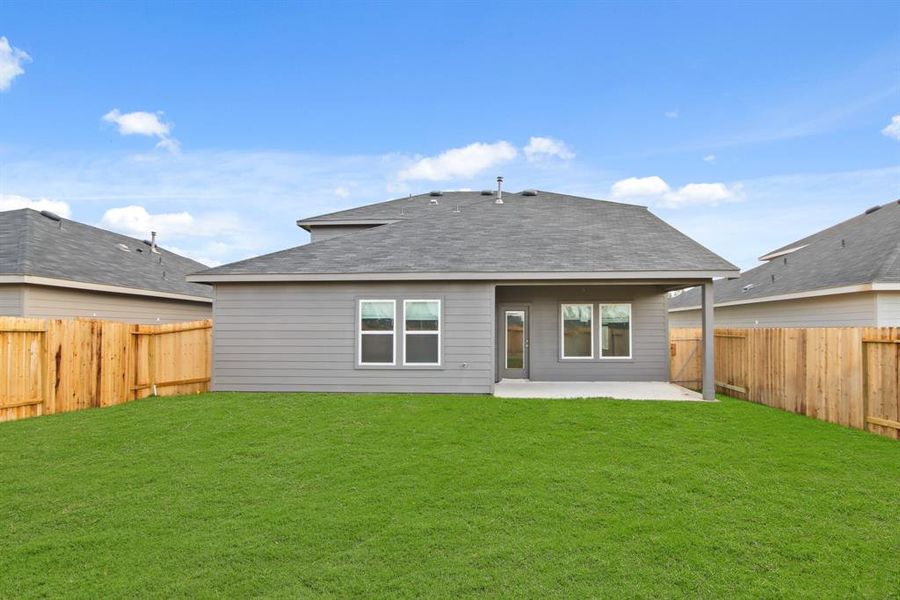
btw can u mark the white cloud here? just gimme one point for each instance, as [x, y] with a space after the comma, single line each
[541, 148]
[137, 221]
[710, 158]
[639, 187]
[13, 202]
[893, 128]
[11, 61]
[341, 191]
[459, 162]
[707, 194]
[656, 191]
[144, 123]
[671, 114]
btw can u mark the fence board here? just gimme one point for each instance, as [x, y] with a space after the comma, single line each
[841, 375]
[60, 365]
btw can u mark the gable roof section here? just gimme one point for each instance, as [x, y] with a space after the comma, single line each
[861, 250]
[546, 233]
[32, 245]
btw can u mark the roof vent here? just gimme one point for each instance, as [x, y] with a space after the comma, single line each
[123, 247]
[871, 210]
[433, 202]
[51, 215]
[747, 287]
[490, 193]
[499, 199]
[436, 193]
[529, 193]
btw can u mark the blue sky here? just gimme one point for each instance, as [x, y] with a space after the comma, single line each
[746, 126]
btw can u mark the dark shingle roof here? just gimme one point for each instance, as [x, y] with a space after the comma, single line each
[401, 208]
[32, 244]
[544, 233]
[864, 249]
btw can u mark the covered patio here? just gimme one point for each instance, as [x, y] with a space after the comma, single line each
[619, 390]
[592, 339]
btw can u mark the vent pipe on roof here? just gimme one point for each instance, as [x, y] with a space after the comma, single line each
[153, 242]
[499, 199]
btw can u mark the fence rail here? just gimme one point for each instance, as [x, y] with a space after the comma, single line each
[51, 366]
[849, 376]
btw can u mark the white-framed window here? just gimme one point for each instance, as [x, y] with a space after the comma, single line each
[377, 329]
[422, 332]
[615, 330]
[576, 330]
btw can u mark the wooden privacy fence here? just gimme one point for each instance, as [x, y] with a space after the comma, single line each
[51, 366]
[849, 376]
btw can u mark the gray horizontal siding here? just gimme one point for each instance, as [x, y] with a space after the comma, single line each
[302, 337]
[63, 303]
[650, 358]
[11, 300]
[842, 310]
[888, 306]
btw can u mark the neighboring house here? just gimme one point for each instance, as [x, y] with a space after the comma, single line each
[845, 276]
[58, 268]
[450, 292]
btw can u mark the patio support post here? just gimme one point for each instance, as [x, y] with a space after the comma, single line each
[709, 374]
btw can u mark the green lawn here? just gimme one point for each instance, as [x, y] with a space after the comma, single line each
[443, 496]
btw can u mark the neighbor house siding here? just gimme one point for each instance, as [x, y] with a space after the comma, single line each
[11, 300]
[63, 303]
[317, 233]
[303, 336]
[888, 307]
[649, 352]
[842, 310]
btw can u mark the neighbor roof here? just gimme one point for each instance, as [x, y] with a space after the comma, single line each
[32, 244]
[861, 250]
[541, 233]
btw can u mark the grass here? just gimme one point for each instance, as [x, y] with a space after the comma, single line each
[441, 496]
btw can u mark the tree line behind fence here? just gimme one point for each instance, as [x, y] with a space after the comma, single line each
[51, 366]
[849, 376]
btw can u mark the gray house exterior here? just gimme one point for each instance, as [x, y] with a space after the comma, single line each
[845, 276]
[452, 292]
[52, 267]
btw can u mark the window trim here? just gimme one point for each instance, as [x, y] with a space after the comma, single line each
[360, 333]
[439, 333]
[562, 331]
[630, 330]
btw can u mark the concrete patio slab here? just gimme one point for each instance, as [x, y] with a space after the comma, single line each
[623, 390]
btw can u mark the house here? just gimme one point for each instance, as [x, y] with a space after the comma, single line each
[58, 268]
[454, 291]
[845, 276]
